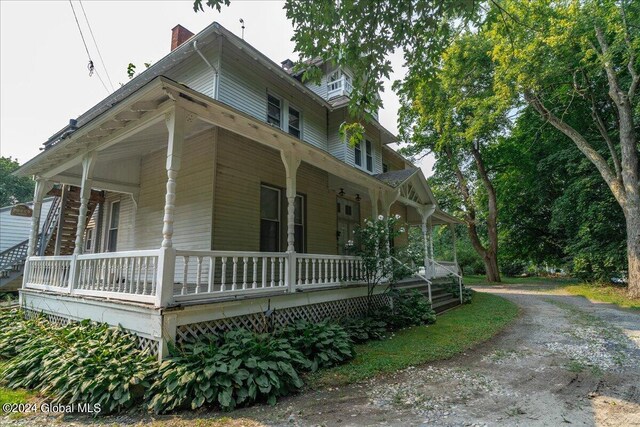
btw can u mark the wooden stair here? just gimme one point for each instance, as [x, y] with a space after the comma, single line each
[68, 218]
[442, 300]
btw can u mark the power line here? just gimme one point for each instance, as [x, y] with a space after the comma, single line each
[96, 45]
[90, 65]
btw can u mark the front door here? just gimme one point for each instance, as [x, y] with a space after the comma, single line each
[348, 219]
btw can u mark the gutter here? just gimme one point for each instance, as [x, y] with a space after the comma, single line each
[216, 74]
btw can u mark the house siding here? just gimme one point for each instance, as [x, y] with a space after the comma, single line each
[247, 91]
[16, 229]
[242, 167]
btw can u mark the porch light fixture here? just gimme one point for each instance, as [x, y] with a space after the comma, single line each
[341, 193]
[357, 197]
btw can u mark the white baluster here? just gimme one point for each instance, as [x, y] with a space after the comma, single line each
[185, 273]
[264, 272]
[280, 269]
[306, 271]
[234, 276]
[255, 272]
[198, 274]
[299, 271]
[212, 273]
[223, 278]
[313, 271]
[273, 271]
[245, 261]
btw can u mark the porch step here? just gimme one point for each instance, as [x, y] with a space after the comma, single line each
[441, 299]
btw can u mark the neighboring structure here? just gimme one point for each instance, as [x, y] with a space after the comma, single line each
[14, 239]
[224, 194]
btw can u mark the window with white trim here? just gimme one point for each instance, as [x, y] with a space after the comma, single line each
[112, 234]
[357, 154]
[294, 122]
[369, 155]
[274, 110]
[88, 239]
[270, 208]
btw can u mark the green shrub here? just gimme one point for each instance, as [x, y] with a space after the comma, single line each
[364, 329]
[78, 363]
[454, 289]
[238, 368]
[324, 344]
[410, 308]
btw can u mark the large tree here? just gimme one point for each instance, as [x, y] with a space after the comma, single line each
[455, 114]
[13, 189]
[567, 57]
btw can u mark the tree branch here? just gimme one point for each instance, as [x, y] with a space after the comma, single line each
[600, 163]
[635, 78]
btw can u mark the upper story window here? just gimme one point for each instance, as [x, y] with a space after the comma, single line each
[114, 221]
[294, 122]
[339, 83]
[364, 159]
[274, 110]
[283, 115]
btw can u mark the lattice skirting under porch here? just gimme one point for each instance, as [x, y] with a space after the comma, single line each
[60, 321]
[260, 322]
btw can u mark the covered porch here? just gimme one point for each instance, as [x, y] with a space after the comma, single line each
[181, 247]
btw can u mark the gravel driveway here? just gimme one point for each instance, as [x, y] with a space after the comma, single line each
[565, 361]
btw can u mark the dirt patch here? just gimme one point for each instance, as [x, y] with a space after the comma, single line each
[565, 361]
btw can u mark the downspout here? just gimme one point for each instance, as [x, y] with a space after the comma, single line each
[214, 91]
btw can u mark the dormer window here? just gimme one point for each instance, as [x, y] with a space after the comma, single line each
[338, 83]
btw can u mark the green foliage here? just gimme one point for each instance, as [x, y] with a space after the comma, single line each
[364, 329]
[324, 344]
[454, 289]
[238, 368]
[78, 363]
[455, 332]
[410, 308]
[13, 189]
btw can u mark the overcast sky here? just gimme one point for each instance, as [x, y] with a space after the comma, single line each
[43, 63]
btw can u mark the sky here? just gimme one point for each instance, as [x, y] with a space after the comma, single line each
[44, 80]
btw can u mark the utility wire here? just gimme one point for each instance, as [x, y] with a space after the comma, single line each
[90, 65]
[104, 66]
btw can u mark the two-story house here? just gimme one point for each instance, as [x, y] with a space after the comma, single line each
[218, 190]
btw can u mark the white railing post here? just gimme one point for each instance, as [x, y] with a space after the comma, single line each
[292, 261]
[166, 272]
[74, 268]
[460, 287]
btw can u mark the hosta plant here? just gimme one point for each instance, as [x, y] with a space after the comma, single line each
[364, 328]
[324, 344]
[236, 369]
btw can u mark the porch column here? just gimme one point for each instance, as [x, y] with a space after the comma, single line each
[63, 203]
[176, 126]
[425, 214]
[175, 121]
[431, 253]
[38, 195]
[387, 198]
[291, 162]
[88, 163]
[374, 196]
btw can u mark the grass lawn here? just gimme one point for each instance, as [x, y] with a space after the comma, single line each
[453, 333]
[474, 280]
[598, 292]
[604, 293]
[13, 396]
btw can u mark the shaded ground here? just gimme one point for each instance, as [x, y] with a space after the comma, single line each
[565, 361]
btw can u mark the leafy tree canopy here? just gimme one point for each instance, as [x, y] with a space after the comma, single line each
[12, 188]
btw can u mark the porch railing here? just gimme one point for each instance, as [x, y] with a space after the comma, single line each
[153, 277]
[130, 276]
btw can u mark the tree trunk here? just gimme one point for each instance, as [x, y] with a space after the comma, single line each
[491, 264]
[632, 216]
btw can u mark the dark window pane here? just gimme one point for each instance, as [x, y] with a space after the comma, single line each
[347, 210]
[299, 213]
[273, 110]
[115, 215]
[113, 240]
[269, 236]
[385, 167]
[269, 203]
[358, 154]
[369, 156]
[294, 122]
[299, 236]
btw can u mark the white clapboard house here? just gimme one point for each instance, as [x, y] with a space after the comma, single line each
[220, 194]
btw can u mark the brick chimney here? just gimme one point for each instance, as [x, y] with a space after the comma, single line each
[179, 35]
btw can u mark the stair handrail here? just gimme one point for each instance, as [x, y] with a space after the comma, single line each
[459, 276]
[48, 226]
[417, 274]
[7, 257]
